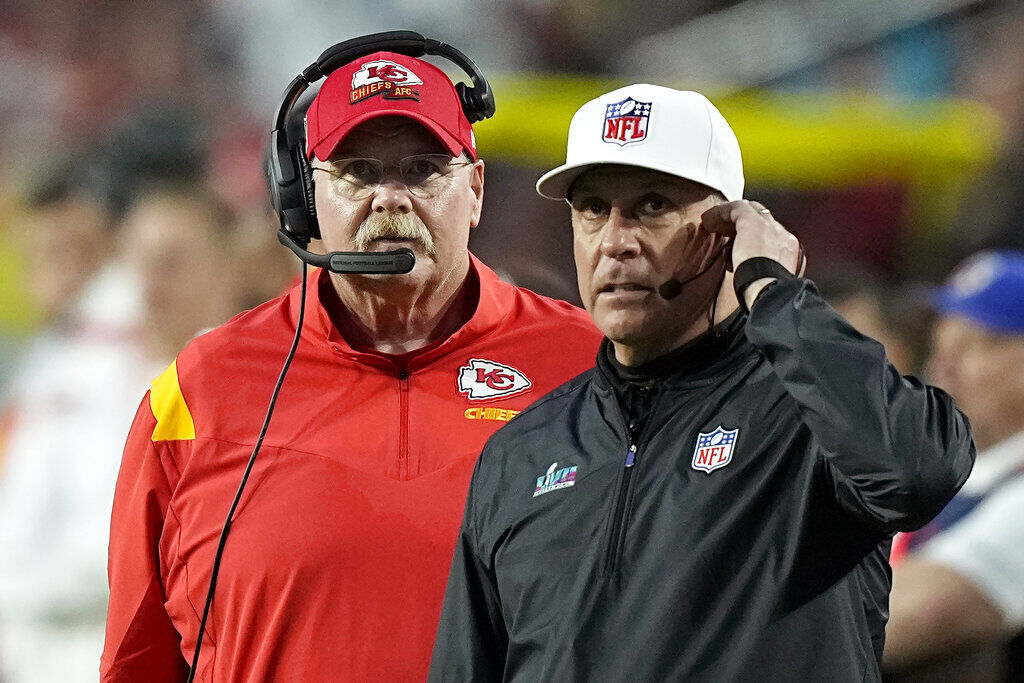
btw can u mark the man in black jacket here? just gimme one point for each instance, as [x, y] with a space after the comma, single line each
[715, 500]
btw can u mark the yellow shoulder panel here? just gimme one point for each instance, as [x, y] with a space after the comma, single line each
[173, 419]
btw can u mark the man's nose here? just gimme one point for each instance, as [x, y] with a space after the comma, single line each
[619, 237]
[391, 195]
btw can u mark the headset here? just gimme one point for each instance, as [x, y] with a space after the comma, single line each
[292, 196]
[291, 176]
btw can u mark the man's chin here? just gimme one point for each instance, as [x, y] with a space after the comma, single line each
[627, 330]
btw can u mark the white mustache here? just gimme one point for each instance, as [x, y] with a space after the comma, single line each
[391, 225]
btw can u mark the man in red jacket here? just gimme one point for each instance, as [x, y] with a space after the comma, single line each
[340, 548]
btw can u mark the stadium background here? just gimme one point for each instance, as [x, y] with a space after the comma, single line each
[885, 135]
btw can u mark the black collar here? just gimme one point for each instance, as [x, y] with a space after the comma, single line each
[693, 358]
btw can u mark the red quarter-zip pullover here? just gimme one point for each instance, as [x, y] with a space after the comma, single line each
[337, 561]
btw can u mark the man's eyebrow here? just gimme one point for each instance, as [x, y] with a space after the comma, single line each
[662, 188]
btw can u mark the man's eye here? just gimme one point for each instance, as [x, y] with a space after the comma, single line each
[423, 166]
[421, 169]
[359, 169]
[655, 205]
[591, 208]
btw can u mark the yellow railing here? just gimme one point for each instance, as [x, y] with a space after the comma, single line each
[796, 140]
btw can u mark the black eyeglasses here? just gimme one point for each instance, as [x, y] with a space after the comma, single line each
[423, 174]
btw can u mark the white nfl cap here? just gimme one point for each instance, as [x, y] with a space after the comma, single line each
[674, 131]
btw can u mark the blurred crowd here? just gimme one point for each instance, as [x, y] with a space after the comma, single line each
[134, 215]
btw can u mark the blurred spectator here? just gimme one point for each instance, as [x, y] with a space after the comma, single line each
[238, 175]
[64, 413]
[58, 240]
[872, 307]
[149, 144]
[266, 267]
[961, 587]
[68, 412]
[66, 235]
[181, 241]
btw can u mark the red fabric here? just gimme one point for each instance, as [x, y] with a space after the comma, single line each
[338, 557]
[900, 544]
[383, 84]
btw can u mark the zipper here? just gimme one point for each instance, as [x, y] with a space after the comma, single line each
[618, 521]
[622, 498]
[403, 424]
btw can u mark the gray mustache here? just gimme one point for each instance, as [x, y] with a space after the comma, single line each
[393, 226]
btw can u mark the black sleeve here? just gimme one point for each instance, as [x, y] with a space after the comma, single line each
[895, 450]
[472, 642]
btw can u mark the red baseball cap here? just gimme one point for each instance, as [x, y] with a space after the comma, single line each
[387, 84]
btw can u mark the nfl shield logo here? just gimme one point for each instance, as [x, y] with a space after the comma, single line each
[626, 121]
[714, 449]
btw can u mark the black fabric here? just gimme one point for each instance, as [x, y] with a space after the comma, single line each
[638, 566]
[699, 352]
[638, 387]
[754, 269]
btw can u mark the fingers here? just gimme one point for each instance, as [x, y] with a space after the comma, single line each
[801, 257]
[755, 232]
[722, 218]
[762, 210]
[718, 219]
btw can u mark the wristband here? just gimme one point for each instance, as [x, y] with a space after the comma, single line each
[754, 269]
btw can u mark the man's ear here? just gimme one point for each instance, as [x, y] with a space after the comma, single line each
[476, 186]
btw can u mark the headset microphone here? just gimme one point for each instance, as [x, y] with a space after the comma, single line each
[670, 289]
[673, 287]
[394, 262]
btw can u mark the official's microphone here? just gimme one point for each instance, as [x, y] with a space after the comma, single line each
[670, 289]
[673, 287]
[394, 262]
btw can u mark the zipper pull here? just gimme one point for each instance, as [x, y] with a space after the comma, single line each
[631, 456]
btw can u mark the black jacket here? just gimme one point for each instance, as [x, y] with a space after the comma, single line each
[769, 563]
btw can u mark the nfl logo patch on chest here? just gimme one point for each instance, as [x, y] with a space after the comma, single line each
[714, 449]
[626, 121]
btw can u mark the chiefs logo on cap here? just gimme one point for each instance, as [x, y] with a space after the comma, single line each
[383, 77]
[485, 379]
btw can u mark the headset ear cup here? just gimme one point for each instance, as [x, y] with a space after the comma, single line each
[309, 195]
[470, 104]
[477, 102]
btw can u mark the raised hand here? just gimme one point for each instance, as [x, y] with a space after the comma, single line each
[755, 232]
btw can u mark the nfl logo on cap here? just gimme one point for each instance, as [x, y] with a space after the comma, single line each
[626, 121]
[682, 134]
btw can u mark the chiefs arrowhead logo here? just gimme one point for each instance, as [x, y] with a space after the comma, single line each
[384, 70]
[388, 79]
[485, 379]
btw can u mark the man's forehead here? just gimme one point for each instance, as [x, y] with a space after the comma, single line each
[620, 178]
[402, 133]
